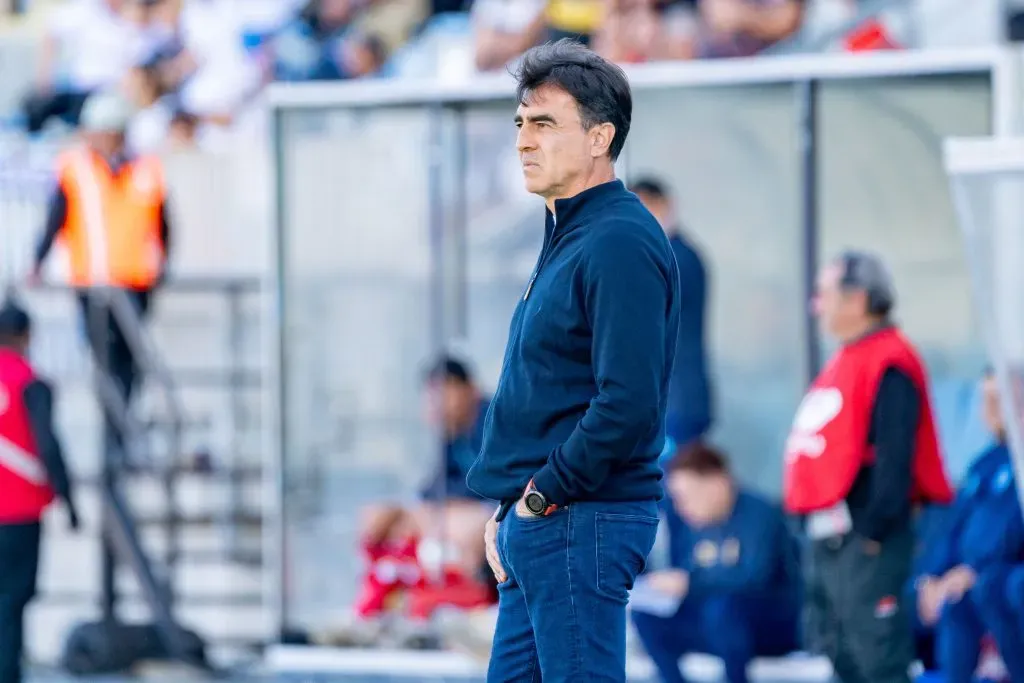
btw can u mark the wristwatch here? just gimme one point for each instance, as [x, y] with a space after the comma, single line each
[536, 502]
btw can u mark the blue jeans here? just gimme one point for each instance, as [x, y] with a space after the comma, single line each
[736, 628]
[562, 610]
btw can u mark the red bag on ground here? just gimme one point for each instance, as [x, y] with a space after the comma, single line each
[390, 569]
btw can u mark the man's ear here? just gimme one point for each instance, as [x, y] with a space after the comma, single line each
[601, 137]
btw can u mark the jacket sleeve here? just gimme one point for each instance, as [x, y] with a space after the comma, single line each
[39, 403]
[56, 215]
[939, 553]
[627, 291]
[894, 420]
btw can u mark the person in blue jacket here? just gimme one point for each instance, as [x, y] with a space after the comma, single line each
[735, 568]
[965, 585]
[690, 413]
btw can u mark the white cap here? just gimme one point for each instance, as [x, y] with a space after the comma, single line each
[105, 112]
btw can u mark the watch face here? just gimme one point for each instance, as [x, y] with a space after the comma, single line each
[535, 503]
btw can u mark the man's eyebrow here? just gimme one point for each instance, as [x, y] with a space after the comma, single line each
[535, 118]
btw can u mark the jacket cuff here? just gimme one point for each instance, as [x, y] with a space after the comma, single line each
[546, 482]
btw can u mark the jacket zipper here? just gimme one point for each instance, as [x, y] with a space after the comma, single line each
[517, 331]
[544, 253]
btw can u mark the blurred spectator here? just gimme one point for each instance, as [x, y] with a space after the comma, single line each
[218, 76]
[862, 455]
[504, 29]
[740, 28]
[963, 591]
[110, 212]
[646, 30]
[735, 567]
[634, 31]
[183, 131]
[323, 44]
[689, 401]
[154, 107]
[89, 46]
[389, 24]
[449, 512]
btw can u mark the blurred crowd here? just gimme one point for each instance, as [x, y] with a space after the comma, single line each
[192, 68]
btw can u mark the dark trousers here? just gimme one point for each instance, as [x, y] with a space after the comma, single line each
[988, 608]
[114, 357]
[41, 107]
[19, 562]
[562, 610]
[734, 628]
[111, 351]
[856, 608]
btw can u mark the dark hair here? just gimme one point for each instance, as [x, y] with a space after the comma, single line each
[450, 369]
[698, 458]
[861, 271]
[599, 87]
[649, 185]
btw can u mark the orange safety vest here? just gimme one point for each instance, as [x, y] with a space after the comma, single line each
[112, 228]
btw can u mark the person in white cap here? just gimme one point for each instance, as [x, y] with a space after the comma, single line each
[110, 212]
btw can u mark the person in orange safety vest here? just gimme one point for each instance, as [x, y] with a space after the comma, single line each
[32, 473]
[862, 454]
[109, 211]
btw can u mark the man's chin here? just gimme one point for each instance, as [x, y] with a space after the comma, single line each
[534, 186]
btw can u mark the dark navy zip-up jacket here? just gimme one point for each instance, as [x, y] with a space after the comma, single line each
[580, 406]
[689, 405]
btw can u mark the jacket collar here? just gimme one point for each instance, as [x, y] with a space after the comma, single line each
[569, 209]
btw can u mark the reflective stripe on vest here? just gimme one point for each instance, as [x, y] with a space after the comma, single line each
[92, 208]
[112, 228]
[22, 463]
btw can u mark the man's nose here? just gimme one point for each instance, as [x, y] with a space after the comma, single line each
[524, 141]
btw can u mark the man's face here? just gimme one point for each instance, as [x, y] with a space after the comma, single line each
[554, 149]
[450, 405]
[106, 143]
[990, 407]
[659, 207]
[838, 311]
[701, 500]
[335, 12]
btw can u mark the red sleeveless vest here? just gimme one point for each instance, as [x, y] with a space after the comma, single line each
[24, 490]
[828, 443]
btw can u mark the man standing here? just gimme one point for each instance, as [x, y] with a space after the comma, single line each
[32, 471]
[110, 211]
[689, 396]
[862, 453]
[575, 429]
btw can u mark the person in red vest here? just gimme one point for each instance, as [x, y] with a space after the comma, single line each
[32, 473]
[861, 456]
